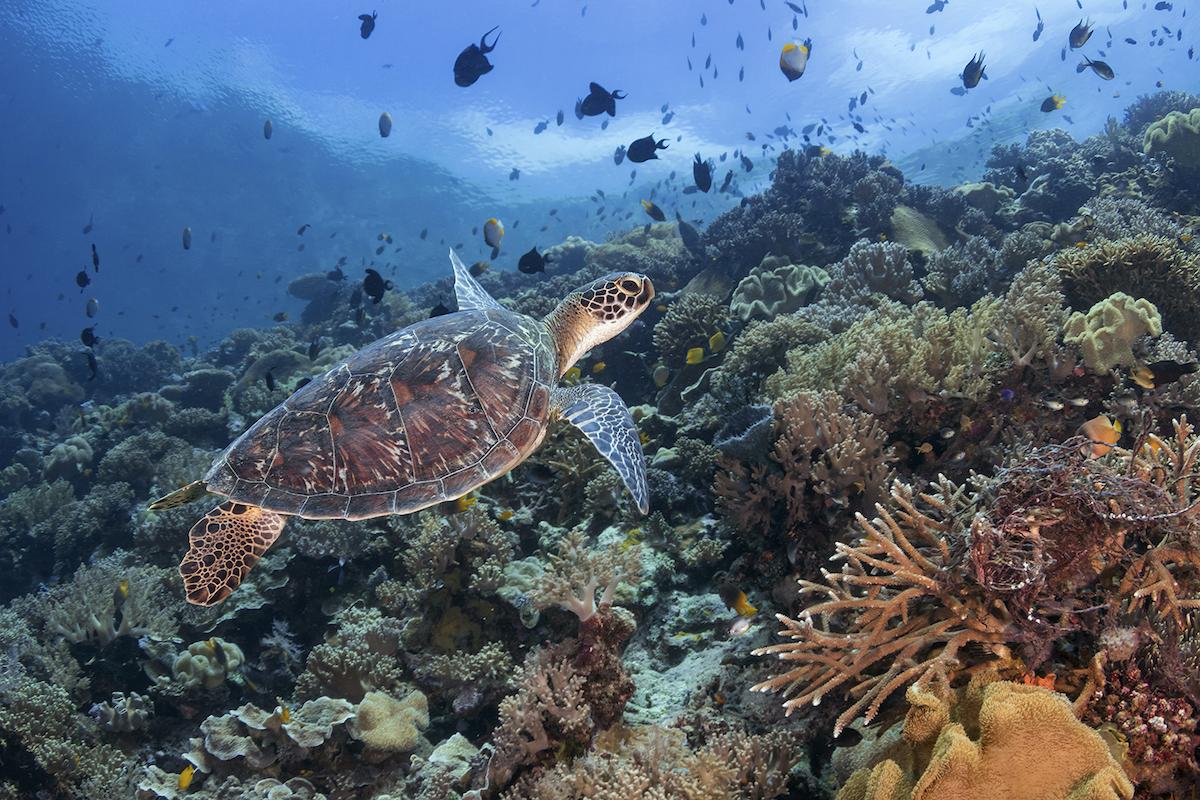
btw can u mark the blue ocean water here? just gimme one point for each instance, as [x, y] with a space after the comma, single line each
[143, 118]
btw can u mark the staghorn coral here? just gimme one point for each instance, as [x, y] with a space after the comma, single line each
[1154, 266]
[892, 614]
[991, 739]
[575, 573]
[775, 287]
[1107, 332]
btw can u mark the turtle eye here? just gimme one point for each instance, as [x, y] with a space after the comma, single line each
[629, 285]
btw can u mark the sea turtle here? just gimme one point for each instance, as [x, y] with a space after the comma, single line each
[421, 416]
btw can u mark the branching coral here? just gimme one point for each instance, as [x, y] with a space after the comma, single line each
[360, 656]
[827, 460]
[576, 572]
[892, 614]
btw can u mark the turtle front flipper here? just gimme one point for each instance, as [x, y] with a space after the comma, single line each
[222, 548]
[180, 497]
[602, 416]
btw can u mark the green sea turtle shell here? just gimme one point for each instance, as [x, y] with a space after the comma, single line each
[423, 415]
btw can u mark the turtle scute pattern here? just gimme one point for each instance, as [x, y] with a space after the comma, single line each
[222, 548]
[421, 416]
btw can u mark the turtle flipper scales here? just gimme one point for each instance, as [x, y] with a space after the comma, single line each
[470, 295]
[603, 418]
[223, 546]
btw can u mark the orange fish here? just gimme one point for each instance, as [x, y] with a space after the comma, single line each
[1104, 433]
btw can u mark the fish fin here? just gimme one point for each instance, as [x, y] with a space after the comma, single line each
[470, 295]
[222, 548]
[603, 418]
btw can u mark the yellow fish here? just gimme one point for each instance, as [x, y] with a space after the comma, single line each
[123, 588]
[572, 375]
[185, 777]
[505, 515]
[741, 604]
[695, 355]
[716, 342]
[463, 503]
[285, 715]
[598, 367]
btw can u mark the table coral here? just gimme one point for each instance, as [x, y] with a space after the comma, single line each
[1107, 332]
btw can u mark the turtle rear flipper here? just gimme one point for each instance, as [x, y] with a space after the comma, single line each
[222, 548]
[181, 496]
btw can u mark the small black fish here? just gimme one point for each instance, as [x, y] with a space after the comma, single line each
[336, 275]
[937, 5]
[515, 175]
[95, 258]
[1053, 103]
[1021, 176]
[270, 379]
[691, 239]
[973, 72]
[478, 268]
[1080, 34]
[300, 384]
[82, 279]
[368, 24]
[92, 366]
[88, 228]
[600, 101]
[374, 285]
[187, 238]
[439, 310]
[1163, 6]
[702, 173]
[1099, 67]
[300, 231]
[532, 262]
[747, 164]
[268, 129]
[424, 233]
[314, 347]
[645, 149]
[472, 62]
[654, 211]
[88, 337]
[619, 155]
[12, 320]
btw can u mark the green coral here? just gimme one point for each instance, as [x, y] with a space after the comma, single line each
[776, 286]
[1107, 332]
[1176, 135]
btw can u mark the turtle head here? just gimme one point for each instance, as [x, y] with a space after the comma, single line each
[595, 313]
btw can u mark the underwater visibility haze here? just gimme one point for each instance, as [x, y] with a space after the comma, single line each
[555, 399]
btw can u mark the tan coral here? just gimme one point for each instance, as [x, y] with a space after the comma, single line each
[995, 739]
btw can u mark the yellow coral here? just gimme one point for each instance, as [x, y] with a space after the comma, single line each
[1106, 333]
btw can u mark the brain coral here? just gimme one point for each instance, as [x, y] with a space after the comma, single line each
[1178, 136]
[1107, 332]
[776, 286]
